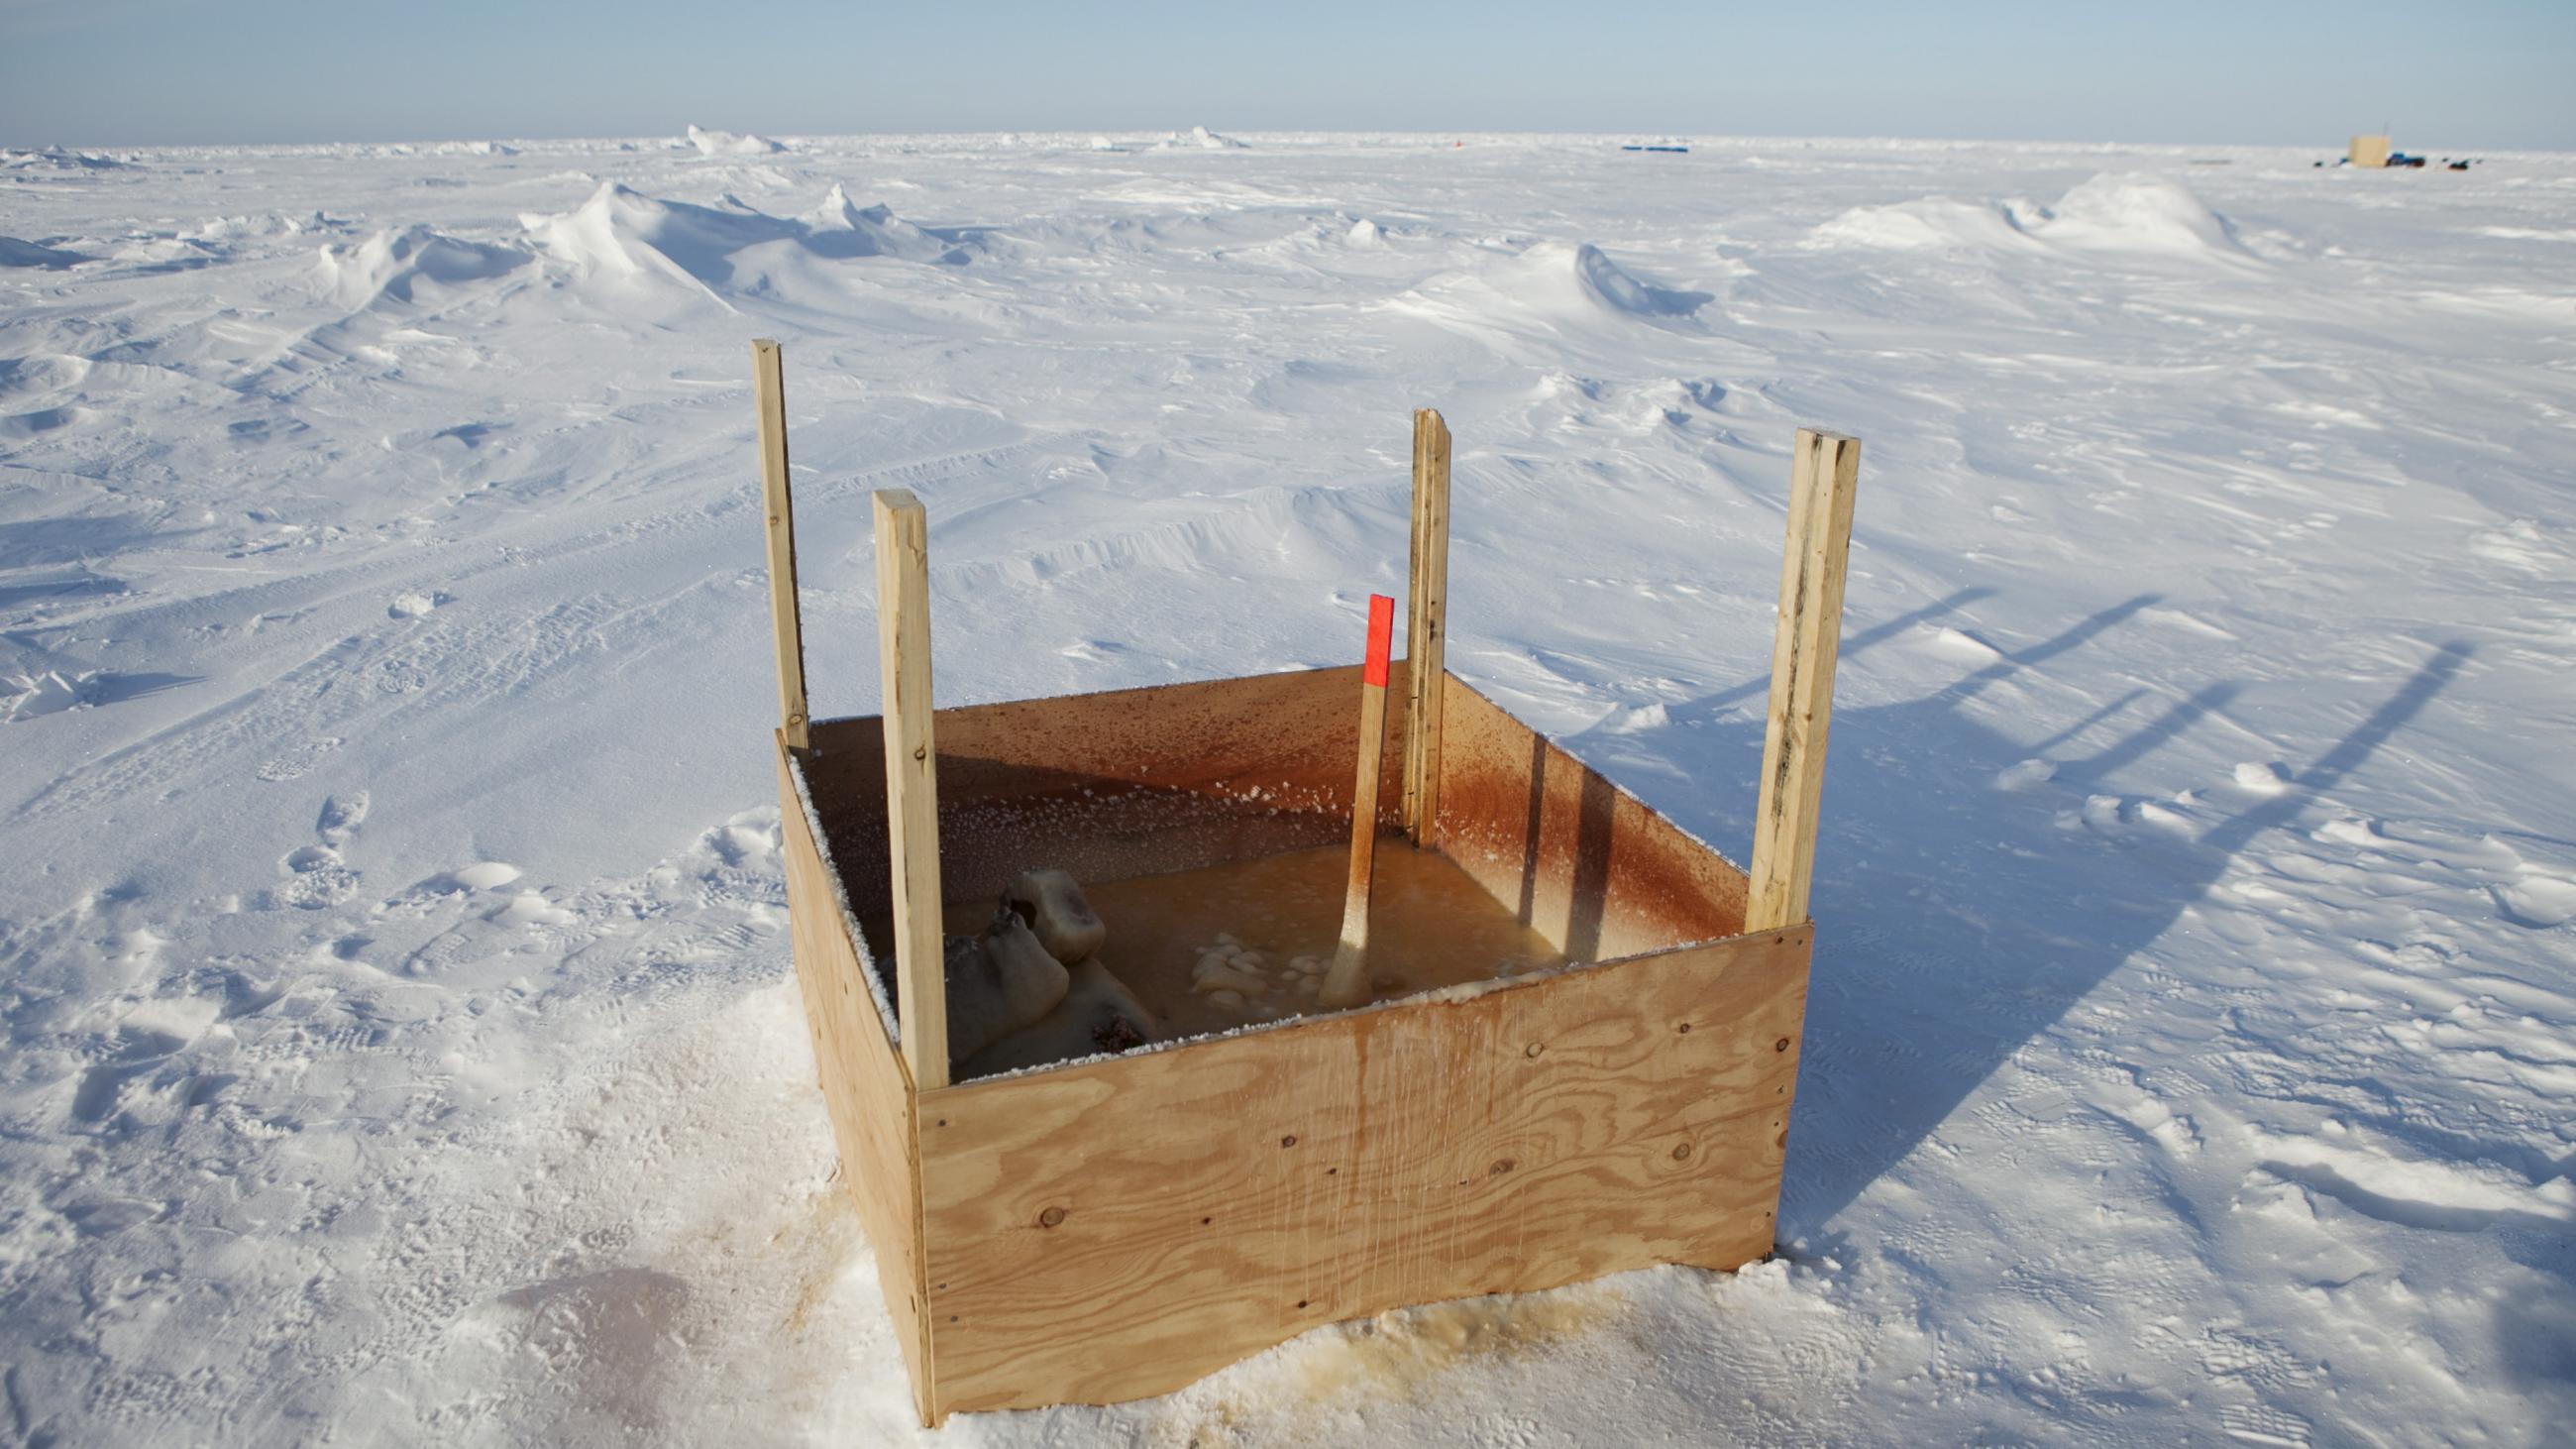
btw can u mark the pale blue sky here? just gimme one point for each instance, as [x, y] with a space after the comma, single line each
[2492, 74]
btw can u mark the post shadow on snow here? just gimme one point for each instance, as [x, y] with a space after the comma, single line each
[1957, 922]
[1958, 919]
[1709, 707]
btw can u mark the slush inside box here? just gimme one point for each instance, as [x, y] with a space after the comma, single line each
[1195, 812]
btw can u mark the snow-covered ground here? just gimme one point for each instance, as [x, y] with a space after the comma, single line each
[401, 1044]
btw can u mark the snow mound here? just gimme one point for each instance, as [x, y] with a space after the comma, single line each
[730, 143]
[2138, 214]
[841, 227]
[1926, 224]
[1204, 139]
[16, 253]
[1103, 143]
[391, 264]
[2135, 214]
[1552, 294]
[621, 233]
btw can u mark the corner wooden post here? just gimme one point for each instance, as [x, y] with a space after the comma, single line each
[1823, 480]
[769, 378]
[912, 784]
[1426, 625]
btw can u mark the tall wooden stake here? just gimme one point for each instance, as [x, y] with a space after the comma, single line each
[1426, 625]
[769, 378]
[912, 784]
[1822, 482]
[1347, 983]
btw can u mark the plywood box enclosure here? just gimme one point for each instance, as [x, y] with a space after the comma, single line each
[2368, 151]
[1119, 1226]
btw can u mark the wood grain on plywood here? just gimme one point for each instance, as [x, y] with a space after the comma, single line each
[1119, 1228]
[1426, 624]
[912, 783]
[1824, 482]
[787, 631]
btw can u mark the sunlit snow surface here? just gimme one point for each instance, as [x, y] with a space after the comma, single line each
[401, 1039]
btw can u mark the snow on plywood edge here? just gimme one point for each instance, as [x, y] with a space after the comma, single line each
[841, 903]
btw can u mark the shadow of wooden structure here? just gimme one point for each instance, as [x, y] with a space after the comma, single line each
[1119, 1226]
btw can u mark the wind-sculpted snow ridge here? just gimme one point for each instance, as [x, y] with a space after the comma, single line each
[1552, 294]
[17, 253]
[730, 143]
[57, 158]
[392, 264]
[2138, 214]
[1610, 285]
[620, 233]
[841, 227]
[1930, 222]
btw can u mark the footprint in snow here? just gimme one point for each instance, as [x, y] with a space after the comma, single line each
[341, 814]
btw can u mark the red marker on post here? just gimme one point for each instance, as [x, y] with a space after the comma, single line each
[1347, 983]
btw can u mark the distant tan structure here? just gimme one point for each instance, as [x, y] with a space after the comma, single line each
[2368, 151]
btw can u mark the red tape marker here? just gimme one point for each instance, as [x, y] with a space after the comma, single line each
[1381, 639]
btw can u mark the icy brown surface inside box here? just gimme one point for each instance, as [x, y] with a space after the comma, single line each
[1430, 925]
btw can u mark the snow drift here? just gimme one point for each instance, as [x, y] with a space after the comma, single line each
[1550, 293]
[730, 143]
[390, 264]
[1927, 223]
[621, 233]
[16, 253]
[2138, 214]
[2142, 215]
[841, 227]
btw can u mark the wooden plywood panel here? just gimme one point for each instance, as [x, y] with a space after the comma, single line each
[2368, 151]
[1583, 862]
[864, 1084]
[1120, 1228]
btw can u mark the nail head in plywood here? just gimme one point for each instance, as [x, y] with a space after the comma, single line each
[1426, 624]
[768, 371]
[912, 783]
[1824, 479]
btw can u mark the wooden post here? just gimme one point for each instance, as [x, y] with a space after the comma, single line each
[1823, 479]
[769, 378]
[1346, 984]
[912, 784]
[1426, 625]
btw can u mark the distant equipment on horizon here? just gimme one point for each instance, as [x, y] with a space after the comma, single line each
[2374, 151]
